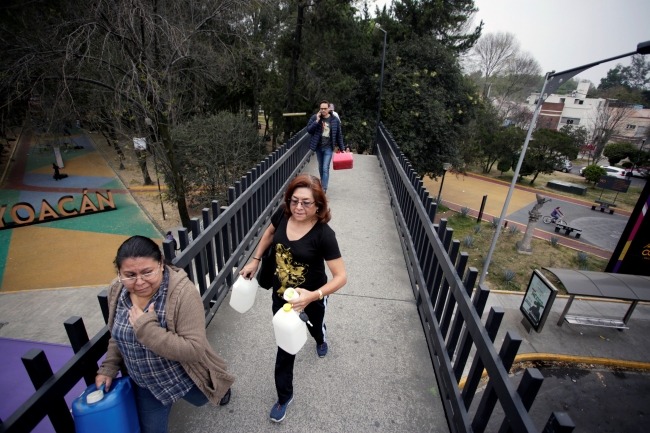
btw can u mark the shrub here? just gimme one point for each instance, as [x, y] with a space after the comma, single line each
[582, 257]
[555, 241]
[509, 275]
[593, 172]
[504, 165]
[495, 222]
[464, 211]
[468, 241]
[627, 164]
[513, 229]
[478, 228]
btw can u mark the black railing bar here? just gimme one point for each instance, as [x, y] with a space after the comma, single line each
[231, 211]
[30, 413]
[510, 400]
[233, 260]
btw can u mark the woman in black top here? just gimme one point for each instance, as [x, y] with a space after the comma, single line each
[303, 243]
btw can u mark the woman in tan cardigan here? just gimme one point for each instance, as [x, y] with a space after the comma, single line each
[157, 325]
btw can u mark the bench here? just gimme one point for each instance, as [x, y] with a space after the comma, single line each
[604, 206]
[568, 230]
[567, 187]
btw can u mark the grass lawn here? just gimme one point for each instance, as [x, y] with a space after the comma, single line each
[506, 258]
[625, 201]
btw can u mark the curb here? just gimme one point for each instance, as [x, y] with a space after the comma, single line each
[540, 234]
[49, 289]
[610, 362]
[537, 191]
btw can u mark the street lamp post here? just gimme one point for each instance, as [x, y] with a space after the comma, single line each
[552, 81]
[445, 166]
[376, 31]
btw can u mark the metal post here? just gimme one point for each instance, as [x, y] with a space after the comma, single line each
[381, 84]
[480, 213]
[441, 183]
[566, 310]
[540, 101]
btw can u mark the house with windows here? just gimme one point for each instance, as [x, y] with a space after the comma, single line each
[571, 109]
[576, 109]
[636, 127]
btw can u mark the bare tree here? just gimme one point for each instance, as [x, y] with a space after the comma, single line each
[492, 52]
[608, 117]
[519, 74]
[147, 59]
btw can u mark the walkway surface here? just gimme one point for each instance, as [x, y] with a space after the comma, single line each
[600, 231]
[66, 252]
[378, 374]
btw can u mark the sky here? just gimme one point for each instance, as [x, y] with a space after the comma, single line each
[564, 34]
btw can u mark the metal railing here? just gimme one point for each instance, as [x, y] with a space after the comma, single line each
[450, 317]
[221, 243]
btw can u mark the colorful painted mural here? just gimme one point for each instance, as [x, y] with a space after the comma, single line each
[62, 251]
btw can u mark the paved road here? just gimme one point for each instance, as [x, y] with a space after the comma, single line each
[598, 228]
[597, 400]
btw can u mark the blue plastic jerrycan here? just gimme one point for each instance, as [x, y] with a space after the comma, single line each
[96, 411]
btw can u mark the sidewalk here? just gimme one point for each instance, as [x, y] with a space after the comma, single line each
[377, 375]
[575, 341]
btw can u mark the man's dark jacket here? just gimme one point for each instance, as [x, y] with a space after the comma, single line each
[316, 130]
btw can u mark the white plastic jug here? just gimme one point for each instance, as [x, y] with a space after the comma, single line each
[243, 294]
[290, 331]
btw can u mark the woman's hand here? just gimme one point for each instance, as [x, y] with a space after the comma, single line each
[100, 379]
[306, 297]
[134, 314]
[249, 271]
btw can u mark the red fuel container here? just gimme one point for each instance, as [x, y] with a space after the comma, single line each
[342, 160]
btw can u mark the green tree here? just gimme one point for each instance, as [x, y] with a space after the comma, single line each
[579, 134]
[616, 152]
[593, 172]
[615, 77]
[505, 143]
[640, 158]
[547, 149]
[427, 102]
[478, 134]
[447, 22]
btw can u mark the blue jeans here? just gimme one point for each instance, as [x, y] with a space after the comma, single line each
[153, 414]
[324, 157]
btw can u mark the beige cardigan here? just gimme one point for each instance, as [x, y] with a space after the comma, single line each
[184, 339]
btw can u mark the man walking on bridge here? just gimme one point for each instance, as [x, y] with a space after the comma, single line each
[326, 133]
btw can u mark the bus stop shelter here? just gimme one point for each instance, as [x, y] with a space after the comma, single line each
[603, 285]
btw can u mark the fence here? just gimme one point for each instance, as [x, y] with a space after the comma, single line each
[220, 243]
[450, 318]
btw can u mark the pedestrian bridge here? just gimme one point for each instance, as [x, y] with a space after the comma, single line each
[377, 374]
[402, 332]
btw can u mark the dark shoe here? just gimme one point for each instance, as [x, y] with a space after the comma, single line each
[225, 399]
[279, 411]
[321, 349]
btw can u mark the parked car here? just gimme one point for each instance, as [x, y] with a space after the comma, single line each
[641, 172]
[564, 166]
[611, 171]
